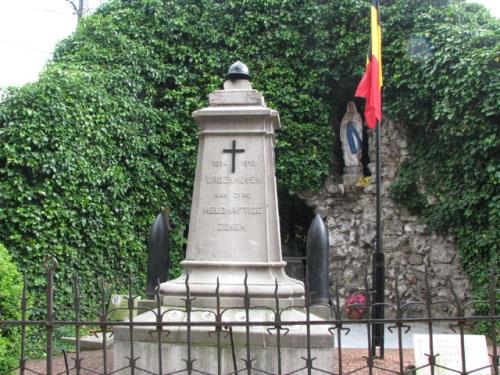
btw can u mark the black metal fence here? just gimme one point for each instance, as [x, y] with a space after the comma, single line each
[342, 323]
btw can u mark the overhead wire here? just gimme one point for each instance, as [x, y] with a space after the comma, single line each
[13, 44]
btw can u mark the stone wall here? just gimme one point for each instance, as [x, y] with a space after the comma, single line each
[348, 208]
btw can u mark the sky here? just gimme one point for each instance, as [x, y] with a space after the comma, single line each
[30, 29]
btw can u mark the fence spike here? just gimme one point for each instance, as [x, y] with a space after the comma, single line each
[50, 266]
[24, 306]
[248, 360]
[399, 325]
[130, 305]
[338, 324]
[104, 326]
[159, 327]
[77, 309]
[369, 307]
[218, 327]
[189, 361]
[493, 303]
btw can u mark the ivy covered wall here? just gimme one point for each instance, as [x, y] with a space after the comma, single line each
[448, 96]
[91, 152]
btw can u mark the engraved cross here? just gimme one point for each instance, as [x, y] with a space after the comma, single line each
[233, 151]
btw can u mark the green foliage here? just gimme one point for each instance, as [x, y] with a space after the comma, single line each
[405, 190]
[92, 151]
[447, 91]
[10, 301]
[95, 149]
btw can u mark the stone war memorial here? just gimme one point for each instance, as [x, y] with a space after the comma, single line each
[233, 269]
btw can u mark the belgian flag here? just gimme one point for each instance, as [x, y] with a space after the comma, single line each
[370, 85]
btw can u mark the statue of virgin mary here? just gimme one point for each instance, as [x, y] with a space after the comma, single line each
[351, 137]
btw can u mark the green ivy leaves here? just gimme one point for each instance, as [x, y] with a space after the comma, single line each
[10, 301]
[104, 140]
[448, 93]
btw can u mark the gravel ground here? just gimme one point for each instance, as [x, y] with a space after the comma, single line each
[91, 360]
[352, 359]
[353, 362]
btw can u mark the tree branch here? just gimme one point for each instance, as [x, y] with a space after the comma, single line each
[73, 5]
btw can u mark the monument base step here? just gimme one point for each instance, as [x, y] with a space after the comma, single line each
[174, 358]
[232, 284]
[232, 302]
[209, 347]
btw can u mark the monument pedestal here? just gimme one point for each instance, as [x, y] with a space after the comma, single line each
[234, 252]
[210, 349]
[234, 223]
[261, 283]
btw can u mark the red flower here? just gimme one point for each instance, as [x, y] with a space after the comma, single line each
[355, 306]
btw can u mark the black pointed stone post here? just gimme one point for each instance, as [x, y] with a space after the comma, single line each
[318, 262]
[158, 253]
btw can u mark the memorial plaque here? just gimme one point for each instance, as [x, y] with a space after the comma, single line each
[448, 348]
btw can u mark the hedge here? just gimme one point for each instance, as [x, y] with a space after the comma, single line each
[10, 303]
[103, 141]
[452, 179]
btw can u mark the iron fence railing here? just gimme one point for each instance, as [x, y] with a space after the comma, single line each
[345, 360]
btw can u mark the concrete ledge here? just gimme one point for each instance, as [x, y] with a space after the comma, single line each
[205, 358]
[93, 342]
[262, 331]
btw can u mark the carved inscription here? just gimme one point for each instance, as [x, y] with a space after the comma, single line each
[230, 227]
[242, 195]
[232, 180]
[213, 210]
[234, 195]
[243, 163]
[226, 209]
[218, 163]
